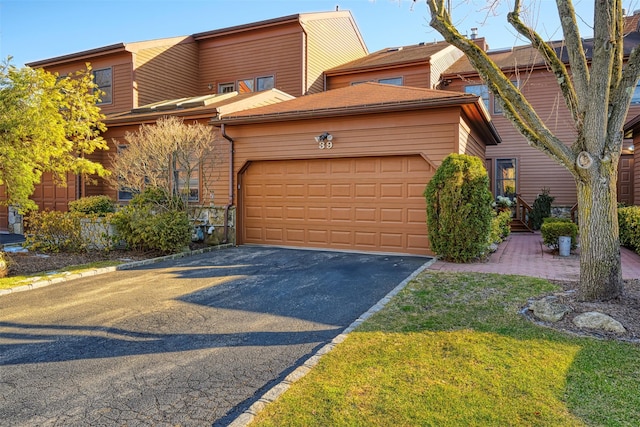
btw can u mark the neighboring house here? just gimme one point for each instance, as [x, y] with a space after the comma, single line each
[632, 131]
[514, 167]
[288, 53]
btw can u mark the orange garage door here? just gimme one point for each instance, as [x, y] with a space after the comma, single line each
[368, 203]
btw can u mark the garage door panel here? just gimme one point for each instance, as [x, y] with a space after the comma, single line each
[372, 203]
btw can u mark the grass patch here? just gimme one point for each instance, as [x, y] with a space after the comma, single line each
[451, 350]
[14, 281]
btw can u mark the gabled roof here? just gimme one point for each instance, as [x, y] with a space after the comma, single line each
[393, 56]
[528, 57]
[111, 49]
[199, 106]
[365, 98]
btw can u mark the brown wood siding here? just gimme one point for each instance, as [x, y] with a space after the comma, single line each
[535, 169]
[470, 142]
[431, 135]
[263, 52]
[122, 78]
[166, 72]
[414, 75]
[330, 42]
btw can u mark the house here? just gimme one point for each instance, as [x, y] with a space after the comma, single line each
[322, 144]
[347, 168]
[289, 53]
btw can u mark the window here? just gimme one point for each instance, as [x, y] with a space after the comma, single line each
[480, 90]
[265, 83]
[392, 81]
[506, 178]
[226, 87]
[245, 85]
[103, 79]
[188, 179]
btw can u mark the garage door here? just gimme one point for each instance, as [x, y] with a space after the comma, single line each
[370, 204]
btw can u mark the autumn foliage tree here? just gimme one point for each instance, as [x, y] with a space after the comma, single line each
[597, 88]
[48, 123]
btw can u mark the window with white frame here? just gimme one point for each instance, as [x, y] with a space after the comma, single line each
[104, 81]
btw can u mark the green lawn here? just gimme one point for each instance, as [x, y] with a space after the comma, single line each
[452, 350]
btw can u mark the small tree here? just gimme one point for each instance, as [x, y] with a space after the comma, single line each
[165, 156]
[48, 123]
[541, 208]
[459, 211]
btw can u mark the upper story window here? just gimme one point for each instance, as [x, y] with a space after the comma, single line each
[245, 85]
[265, 83]
[480, 90]
[103, 78]
[226, 87]
[392, 81]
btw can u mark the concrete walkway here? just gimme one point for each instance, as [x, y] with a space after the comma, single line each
[524, 254]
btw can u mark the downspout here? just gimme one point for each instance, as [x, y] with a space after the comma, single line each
[228, 206]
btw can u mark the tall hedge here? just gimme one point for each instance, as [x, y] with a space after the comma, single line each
[459, 211]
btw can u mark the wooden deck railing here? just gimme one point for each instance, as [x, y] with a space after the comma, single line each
[521, 220]
[574, 213]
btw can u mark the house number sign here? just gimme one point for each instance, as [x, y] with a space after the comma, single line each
[325, 145]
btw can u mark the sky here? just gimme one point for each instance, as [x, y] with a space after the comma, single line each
[33, 30]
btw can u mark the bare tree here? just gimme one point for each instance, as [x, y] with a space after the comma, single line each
[597, 93]
[167, 155]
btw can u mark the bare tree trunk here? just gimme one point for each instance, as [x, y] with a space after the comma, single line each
[600, 268]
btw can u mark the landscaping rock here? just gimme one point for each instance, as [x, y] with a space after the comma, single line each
[548, 309]
[599, 321]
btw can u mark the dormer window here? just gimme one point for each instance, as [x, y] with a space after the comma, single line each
[103, 78]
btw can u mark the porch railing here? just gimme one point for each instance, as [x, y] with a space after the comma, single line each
[521, 220]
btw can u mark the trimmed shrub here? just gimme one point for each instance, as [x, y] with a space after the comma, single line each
[148, 225]
[100, 205]
[54, 231]
[459, 211]
[629, 223]
[500, 226]
[552, 228]
[541, 208]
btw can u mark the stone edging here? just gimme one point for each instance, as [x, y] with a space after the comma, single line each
[277, 390]
[97, 271]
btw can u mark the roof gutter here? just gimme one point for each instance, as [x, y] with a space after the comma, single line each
[228, 206]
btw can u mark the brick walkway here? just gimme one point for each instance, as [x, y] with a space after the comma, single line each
[524, 254]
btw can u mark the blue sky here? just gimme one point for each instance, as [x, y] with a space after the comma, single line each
[32, 30]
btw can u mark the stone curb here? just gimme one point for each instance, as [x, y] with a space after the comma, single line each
[277, 390]
[97, 271]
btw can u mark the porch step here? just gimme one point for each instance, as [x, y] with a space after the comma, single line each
[519, 226]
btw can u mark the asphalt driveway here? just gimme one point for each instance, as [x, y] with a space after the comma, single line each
[190, 342]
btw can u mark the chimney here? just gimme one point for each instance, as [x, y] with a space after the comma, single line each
[474, 33]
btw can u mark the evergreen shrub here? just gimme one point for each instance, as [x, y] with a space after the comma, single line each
[541, 208]
[500, 226]
[54, 231]
[552, 228]
[150, 223]
[459, 211]
[629, 223]
[100, 205]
